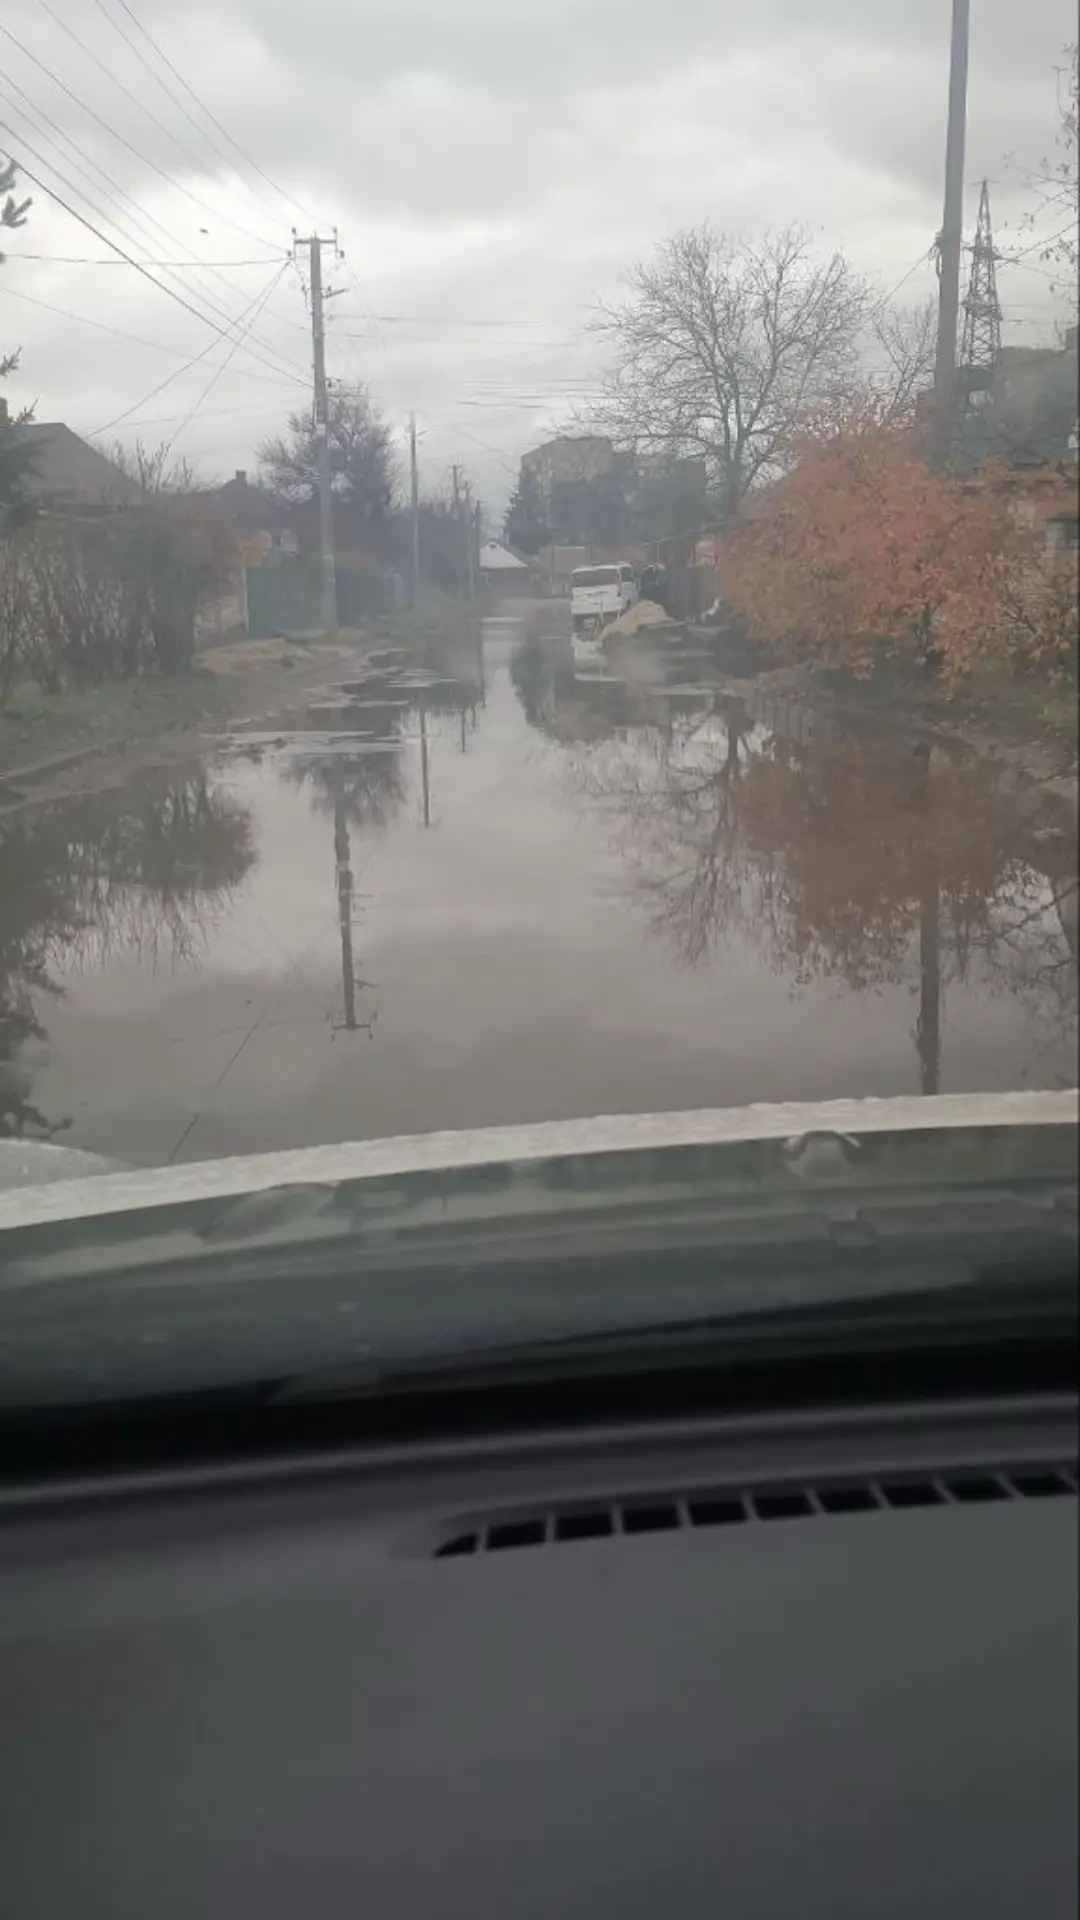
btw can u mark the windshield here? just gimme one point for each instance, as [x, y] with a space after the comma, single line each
[535, 590]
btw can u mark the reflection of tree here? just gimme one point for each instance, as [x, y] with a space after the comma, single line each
[140, 872]
[847, 860]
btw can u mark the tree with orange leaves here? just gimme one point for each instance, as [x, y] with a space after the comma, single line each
[862, 554]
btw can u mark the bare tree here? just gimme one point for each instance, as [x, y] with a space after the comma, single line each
[1055, 187]
[152, 468]
[15, 456]
[725, 349]
[905, 339]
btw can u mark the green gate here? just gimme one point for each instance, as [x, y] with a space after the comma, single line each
[283, 600]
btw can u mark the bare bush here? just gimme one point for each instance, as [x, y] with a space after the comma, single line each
[88, 611]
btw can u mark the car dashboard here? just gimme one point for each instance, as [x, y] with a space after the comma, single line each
[819, 1662]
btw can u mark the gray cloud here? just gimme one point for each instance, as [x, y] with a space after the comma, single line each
[479, 163]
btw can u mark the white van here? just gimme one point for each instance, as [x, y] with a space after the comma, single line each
[600, 594]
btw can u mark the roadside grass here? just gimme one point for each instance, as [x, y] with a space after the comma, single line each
[37, 726]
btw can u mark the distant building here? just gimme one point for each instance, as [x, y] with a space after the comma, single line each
[1028, 415]
[65, 473]
[503, 571]
[580, 482]
[257, 522]
[259, 531]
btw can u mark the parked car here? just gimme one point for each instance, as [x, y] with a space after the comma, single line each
[600, 594]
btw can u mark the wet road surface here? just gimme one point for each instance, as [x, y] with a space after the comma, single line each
[507, 884]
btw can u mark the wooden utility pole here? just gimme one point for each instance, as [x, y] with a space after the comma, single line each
[328, 582]
[414, 489]
[951, 237]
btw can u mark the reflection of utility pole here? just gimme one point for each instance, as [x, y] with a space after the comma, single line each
[424, 762]
[468, 522]
[455, 478]
[951, 237]
[928, 1032]
[343, 871]
[414, 477]
[328, 585]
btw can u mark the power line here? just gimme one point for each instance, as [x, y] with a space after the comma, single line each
[888, 298]
[218, 413]
[178, 185]
[435, 320]
[161, 285]
[238, 342]
[84, 164]
[105, 183]
[174, 97]
[94, 172]
[135, 240]
[156, 123]
[83, 320]
[212, 117]
[192, 362]
[140, 267]
[103, 260]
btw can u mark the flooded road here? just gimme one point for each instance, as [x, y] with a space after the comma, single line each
[505, 885]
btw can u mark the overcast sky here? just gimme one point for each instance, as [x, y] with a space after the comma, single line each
[482, 163]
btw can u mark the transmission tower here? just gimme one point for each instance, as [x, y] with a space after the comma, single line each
[981, 347]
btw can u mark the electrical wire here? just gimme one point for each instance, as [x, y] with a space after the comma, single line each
[158, 125]
[139, 266]
[214, 306]
[102, 260]
[237, 343]
[289, 198]
[193, 361]
[133, 219]
[171, 95]
[104, 183]
[137, 340]
[178, 185]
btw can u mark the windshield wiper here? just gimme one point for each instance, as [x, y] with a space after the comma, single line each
[982, 1309]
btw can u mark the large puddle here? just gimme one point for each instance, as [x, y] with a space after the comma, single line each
[514, 885]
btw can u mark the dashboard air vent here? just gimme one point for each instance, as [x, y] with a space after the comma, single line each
[667, 1513]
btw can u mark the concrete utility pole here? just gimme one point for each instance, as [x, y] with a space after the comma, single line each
[951, 237]
[414, 478]
[469, 521]
[328, 589]
[455, 476]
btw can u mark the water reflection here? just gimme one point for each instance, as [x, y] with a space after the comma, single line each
[143, 872]
[357, 776]
[568, 886]
[834, 855]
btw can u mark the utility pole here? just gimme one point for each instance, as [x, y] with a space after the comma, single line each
[951, 238]
[468, 521]
[414, 479]
[328, 586]
[455, 475]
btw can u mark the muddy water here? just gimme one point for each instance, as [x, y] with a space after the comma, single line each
[509, 884]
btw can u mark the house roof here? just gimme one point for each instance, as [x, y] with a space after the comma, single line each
[496, 557]
[249, 509]
[66, 471]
